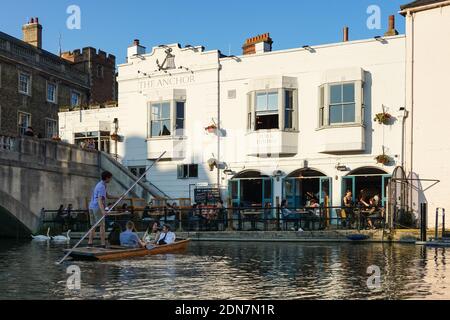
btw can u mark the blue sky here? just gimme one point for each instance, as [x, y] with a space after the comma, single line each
[224, 25]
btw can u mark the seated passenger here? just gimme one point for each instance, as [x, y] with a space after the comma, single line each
[114, 235]
[167, 236]
[130, 239]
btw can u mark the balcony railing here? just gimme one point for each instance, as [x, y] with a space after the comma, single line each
[7, 143]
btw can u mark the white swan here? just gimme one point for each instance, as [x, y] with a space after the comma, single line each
[61, 238]
[41, 237]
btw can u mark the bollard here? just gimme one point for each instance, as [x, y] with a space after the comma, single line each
[436, 226]
[423, 222]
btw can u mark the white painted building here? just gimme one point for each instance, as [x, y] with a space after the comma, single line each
[428, 79]
[289, 122]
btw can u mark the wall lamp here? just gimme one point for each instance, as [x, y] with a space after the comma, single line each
[309, 48]
[228, 172]
[341, 167]
[380, 39]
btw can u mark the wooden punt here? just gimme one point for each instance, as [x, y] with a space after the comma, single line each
[119, 253]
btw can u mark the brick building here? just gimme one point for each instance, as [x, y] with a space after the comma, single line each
[35, 83]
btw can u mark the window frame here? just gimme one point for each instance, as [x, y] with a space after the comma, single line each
[29, 84]
[173, 119]
[55, 100]
[56, 131]
[19, 127]
[252, 113]
[324, 104]
[72, 92]
[184, 171]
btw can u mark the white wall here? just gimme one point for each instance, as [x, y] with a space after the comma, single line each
[428, 36]
[197, 81]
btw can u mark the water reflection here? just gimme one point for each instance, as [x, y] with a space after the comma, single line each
[232, 271]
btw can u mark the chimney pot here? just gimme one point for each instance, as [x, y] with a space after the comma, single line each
[31, 20]
[391, 30]
[346, 29]
[258, 44]
[136, 42]
[36, 20]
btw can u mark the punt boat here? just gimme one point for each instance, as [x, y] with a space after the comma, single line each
[120, 253]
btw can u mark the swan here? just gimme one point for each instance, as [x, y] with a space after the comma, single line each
[41, 237]
[61, 238]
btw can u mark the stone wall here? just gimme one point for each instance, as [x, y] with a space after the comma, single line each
[40, 174]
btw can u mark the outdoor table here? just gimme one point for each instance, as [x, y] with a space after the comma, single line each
[253, 217]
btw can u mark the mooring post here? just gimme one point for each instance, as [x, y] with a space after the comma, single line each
[436, 226]
[443, 223]
[423, 222]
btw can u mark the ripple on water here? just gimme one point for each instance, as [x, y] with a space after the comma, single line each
[232, 271]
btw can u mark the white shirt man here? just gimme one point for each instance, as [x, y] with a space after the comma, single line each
[167, 236]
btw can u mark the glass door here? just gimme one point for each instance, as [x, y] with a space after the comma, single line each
[348, 184]
[267, 192]
[325, 192]
[234, 191]
[384, 194]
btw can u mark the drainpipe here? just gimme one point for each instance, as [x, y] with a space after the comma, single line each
[218, 121]
[412, 103]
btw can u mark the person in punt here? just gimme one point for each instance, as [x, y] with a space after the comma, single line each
[130, 239]
[166, 236]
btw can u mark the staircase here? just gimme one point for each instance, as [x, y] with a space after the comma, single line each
[123, 179]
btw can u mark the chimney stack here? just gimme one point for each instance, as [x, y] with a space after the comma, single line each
[259, 44]
[32, 33]
[391, 30]
[135, 49]
[345, 34]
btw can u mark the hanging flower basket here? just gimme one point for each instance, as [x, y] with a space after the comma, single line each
[212, 163]
[383, 159]
[383, 118]
[115, 137]
[211, 128]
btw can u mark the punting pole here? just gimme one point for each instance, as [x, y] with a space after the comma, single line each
[110, 210]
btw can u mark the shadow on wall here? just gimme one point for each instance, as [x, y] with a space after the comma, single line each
[164, 175]
[11, 227]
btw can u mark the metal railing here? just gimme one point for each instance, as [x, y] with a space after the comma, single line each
[235, 219]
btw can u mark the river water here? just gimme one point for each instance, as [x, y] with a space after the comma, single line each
[232, 271]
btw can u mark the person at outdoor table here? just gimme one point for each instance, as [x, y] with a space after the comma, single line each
[374, 212]
[287, 213]
[348, 204]
[166, 236]
[130, 239]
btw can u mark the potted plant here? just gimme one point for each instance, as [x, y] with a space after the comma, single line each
[56, 138]
[64, 109]
[383, 118]
[211, 128]
[383, 159]
[212, 163]
[115, 137]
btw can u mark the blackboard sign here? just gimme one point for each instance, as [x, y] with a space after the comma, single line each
[207, 195]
